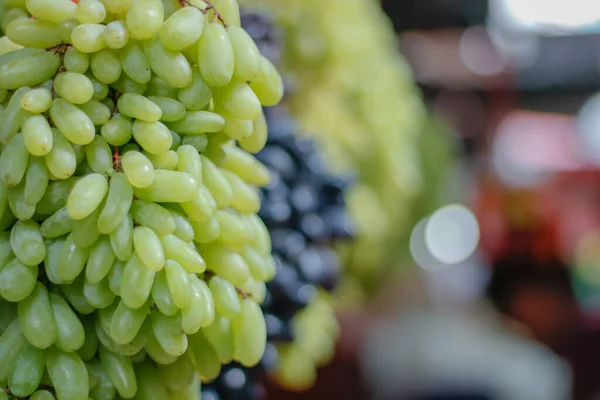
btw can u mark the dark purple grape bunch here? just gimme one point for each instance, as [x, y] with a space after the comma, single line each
[303, 207]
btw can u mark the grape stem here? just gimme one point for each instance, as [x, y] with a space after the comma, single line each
[209, 6]
[59, 49]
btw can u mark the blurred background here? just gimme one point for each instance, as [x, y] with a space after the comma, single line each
[499, 296]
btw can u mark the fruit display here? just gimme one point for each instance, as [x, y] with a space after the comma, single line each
[355, 95]
[303, 208]
[132, 257]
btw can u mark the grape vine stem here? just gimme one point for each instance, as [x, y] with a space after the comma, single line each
[209, 6]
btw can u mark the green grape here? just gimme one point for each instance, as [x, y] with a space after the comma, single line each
[168, 187]
[13, 115]
[61, 160]
[245, 197]
[66, 28]
[198, 122]
[37, 101]
[27, 243]
[202, 207]
[246, 167]
[188, 393]
[53, 248]
[116, 35]
[42, 395]
[189, 161]
[220, 337]
[179, 375]
[27, 374]
[179, 285]
[90, 345]
[206, 362]
[206, 232]
[76, 61]
[3, 200]
[144, 18]
[261, 240]
[34, 33]
[118, 203]
[246, 54]
[216, 182]
[121, 239]
[74, 87]
[72, 259]
[7, 45]
[86, 195]
[9, 314]
[118, 131]
[126, 323]
[126, 85]
[268, 85]
[150, 383]
[114, 277]
[238, 129]
[227, 302]
[72, 122]
[226, 263]
[17, 203]
[12, 14]
[17, 281]
[179, 251]
[168, 333]
[74, 293]
[136, 282]
[165, 161]
[36, 319]
[229, 11]
[196, 96]
[182, 29]
[98, 295]
[90, 12]
[215, 55]
[261, 269]
[57, 224]
[97, 112]
[104, 390]
[239, 101]
[139, 107]
[51, 10]
[13, 161]
[199, 142]
[100, 261]
[168, 65]
[99, 155]
[256, 142]
[183, 227]
[12, 342]
[70, 334]
[5, 249]
[171, 109]
[37, 135]
[106, 66]
[85, 231]
[157, 353]
[148, 247]
[153, 216]
[68, 374]
[138, 169]
[117, 6]
[249, 334]
[88, 38]
[100, 89]
[233, 230]
[134, 63]
[161, 294]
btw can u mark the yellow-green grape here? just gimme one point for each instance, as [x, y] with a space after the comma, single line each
[104, 389]
[168, 187]
[196, 96]
[147, 245]
[37, 135]
[249, 333]
[246, 54]
[56, 225]
[246, 167]
[116, 35]
[206, 232]
[90, 12]
[117, 6]
[216, 182]
[179, 251]
[17, 281]
[12, 342]
[36, 318]
[165, 161]
[117, 131]
[144, 18]
[13, 161]
[42, 395]
[268, 85]
[206, 362]
[162, 296]
[37, 101]
[198, 311]
[98, 294]
[179, 375]
[121, 239]
[72, 259]
[233, 228]
[28, 370]
[182, 29]
[227, 302]
[100, 261]
[150, 383]
[126, 322]
[134, 63]
[215, 55]
[51, 10]
[257, 140]
[171, 66]
[88, 38]
[229, 11]
[97, 112]
[220, 337]
[136, 282]
[114, 277]
[13, 116]
[70, 334]
[202, 206]
[34, 33]
[72, 122]
[106, 66]
[199, 142]
[74, 293]
[172, 110]
[226, 263]
[177, 280]
[27, 243]
[86, 196]
[118, 203]
[238, 129]
[189, 161]
[153, 216]
[245, 197]
[68, 374]
[168, 333]
[17, 203]
[239, 101]
[61, 160]
[198, 122]
[99, 155]
[183, 227]
[74, 87]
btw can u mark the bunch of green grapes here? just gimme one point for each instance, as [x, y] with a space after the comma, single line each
[128, 197]
[356, 93]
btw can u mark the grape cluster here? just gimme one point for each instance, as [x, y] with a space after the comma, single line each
[132, 258]
[304, 209]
